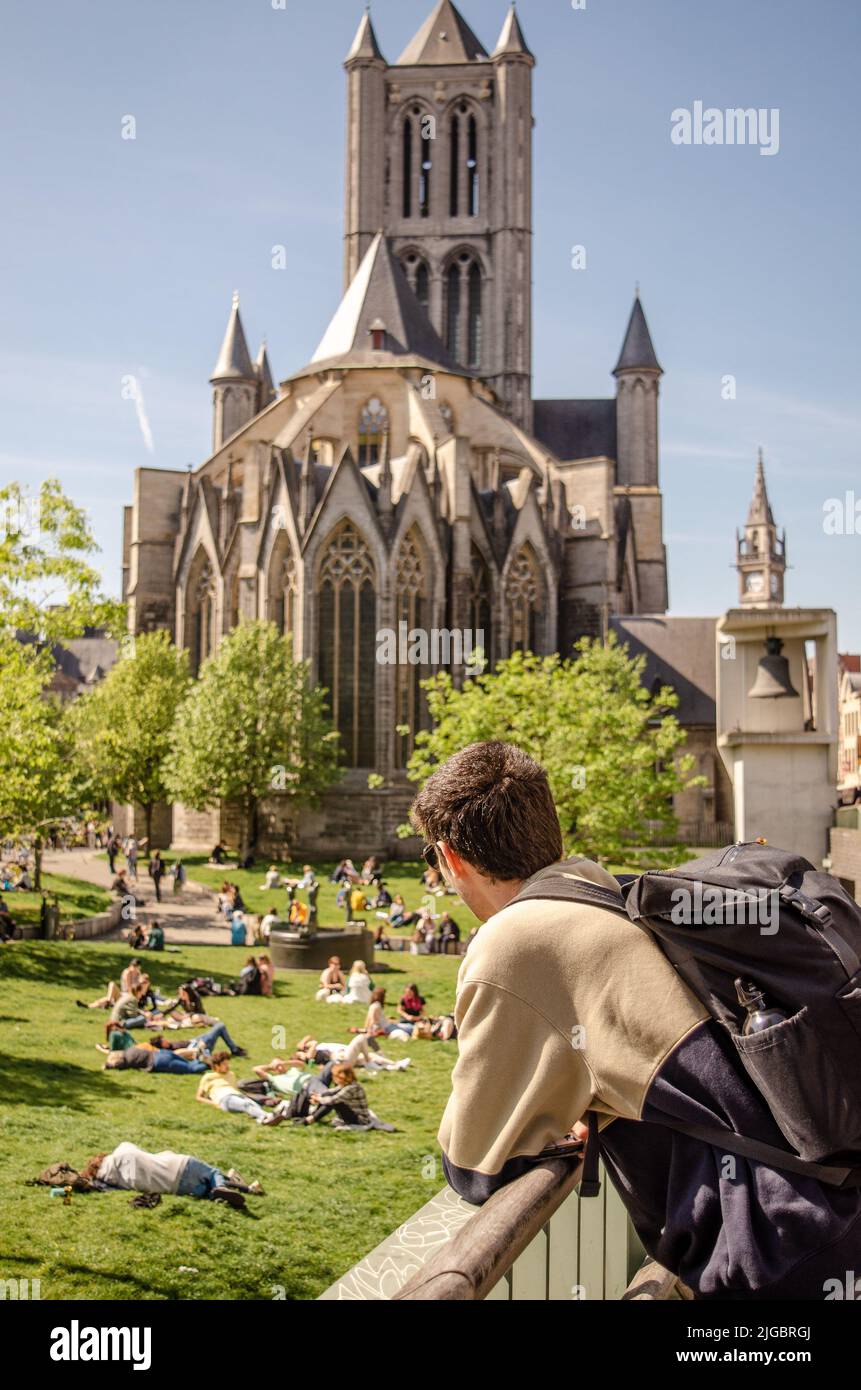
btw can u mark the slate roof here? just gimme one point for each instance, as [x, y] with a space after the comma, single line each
[380, 293]
[445, 37]
[637, 349]
[680, 652]
[234, 361]
[511, 40]
[577, 429]
[365, 43]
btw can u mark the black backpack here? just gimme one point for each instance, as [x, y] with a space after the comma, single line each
[769, 917]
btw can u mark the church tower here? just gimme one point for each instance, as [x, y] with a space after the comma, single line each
[235, 383]
[761, 552]
[439, 158]
[638, 376]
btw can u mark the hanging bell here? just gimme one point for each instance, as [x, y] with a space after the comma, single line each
[772, 675]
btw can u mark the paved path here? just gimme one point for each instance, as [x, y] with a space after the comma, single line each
[188, 921]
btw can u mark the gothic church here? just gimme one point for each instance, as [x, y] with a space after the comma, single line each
[406, 473]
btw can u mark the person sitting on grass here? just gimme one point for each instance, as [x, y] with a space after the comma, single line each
[149, 1057]
[346, 1101]
[359, 987]
[269, 923]
[332, 979]
[376, 1024]
[238, 929]
[219, 853]
[272, 880]
[412, 1005]
[180, 1175]
[155, 937]
[25, 882]
[267, 975]
[382, 941]
[218, 1087]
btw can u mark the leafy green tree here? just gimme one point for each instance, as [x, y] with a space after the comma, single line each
[123, 727]
[48, 586]
[39, 783]
[252, 725]
[612, 749]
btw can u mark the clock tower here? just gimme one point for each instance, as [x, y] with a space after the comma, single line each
[761, 552]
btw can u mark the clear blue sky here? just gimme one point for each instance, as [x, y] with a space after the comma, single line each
[119, 257]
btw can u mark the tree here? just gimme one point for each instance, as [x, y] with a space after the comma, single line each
[38, 781]
[124, 726]
[611, 747]
[252, 725]
[48, 588]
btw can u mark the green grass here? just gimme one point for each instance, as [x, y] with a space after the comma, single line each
[76, 900]
[402, 878]
[330, 1197]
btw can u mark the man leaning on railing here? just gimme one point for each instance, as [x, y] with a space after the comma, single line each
[566, 1010]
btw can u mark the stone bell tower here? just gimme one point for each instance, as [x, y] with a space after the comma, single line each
[439, 158]
[761, 551]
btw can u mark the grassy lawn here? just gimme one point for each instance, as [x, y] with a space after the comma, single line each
[330, 1198]
[76, 900]
[399, 878]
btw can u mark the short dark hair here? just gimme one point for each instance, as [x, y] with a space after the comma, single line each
[218, 1057]
[492, 803]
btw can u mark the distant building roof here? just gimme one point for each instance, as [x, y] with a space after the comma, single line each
[680, 652]
[84, 661]
[577, 429]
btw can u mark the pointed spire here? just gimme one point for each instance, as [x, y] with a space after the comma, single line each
[760, 513]
[365, 46]
[263, 373]
[234, 362]
[380, 294]
[445, 37]
[511, 40]
[637, 350]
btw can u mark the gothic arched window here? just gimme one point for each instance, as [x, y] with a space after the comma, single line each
[408, 167]
[373, 425]
[480, 599]
[200, 611]
[418, 277]
[464, 306]
[472, 168]
[347, 641]
[283, 588]
[523, 597]
[426, 167]
[412, 604]
[464, 178]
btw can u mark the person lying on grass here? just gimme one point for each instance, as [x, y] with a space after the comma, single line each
[346, 1101]
[191, 1049]
[218, 1087]
[181, 1175]
[361, 1052]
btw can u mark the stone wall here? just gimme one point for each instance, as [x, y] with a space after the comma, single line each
[846, 859]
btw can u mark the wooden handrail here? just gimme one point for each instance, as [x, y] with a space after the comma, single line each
[482, 1252]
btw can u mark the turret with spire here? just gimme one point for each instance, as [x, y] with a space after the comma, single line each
[761, 551]
[235, 383]
[366, 121]
[638, 373]
[266, 392]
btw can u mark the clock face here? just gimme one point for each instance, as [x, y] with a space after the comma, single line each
[754, 583]
[775, 586]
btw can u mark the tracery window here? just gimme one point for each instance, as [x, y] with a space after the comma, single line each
[523, 594]
[373, 424]
[412, 601]
[347, 641]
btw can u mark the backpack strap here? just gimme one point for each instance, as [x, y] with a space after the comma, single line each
[560, 888]
[590, 1182]
[724, 1138]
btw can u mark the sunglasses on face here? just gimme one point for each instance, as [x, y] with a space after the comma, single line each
[430, 856]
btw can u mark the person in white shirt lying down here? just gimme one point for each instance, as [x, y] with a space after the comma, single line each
[181, 1175]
